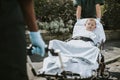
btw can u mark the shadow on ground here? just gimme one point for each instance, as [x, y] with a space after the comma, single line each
[115, 75]
[115, 43]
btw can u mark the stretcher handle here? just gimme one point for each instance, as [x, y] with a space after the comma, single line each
[52, 51]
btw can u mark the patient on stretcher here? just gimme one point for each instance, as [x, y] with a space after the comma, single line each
[79, 54]
[90, 24]
[86, 33]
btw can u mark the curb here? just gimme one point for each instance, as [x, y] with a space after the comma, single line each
[111, 60]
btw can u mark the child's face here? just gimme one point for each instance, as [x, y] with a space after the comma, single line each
[90, 25]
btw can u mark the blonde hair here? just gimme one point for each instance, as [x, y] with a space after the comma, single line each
[91, 19]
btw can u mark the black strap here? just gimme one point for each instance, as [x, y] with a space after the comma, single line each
[82, 38]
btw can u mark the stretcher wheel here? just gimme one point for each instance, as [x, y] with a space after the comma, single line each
[106, 74]
[48, 78]
[94, 78]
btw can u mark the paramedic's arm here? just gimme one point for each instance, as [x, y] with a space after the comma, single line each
[78, 12]
[27, 7]
[98, 11]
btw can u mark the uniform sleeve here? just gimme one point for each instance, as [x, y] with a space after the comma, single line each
[101, 2]
[76, 3]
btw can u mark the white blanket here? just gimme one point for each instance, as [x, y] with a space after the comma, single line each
[78, 56]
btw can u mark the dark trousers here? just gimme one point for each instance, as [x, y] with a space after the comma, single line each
[12, 53]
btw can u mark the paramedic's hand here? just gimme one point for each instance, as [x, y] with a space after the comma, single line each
[99, 19]
[78, 20]
[38, 42]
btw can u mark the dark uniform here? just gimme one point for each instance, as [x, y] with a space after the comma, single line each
[88, 7]
[12, 42]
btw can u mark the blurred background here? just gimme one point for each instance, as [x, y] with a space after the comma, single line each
[57, 17]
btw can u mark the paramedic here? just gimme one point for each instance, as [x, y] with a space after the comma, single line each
[14, 16]
[88, 8]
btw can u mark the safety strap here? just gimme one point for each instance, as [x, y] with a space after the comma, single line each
[80, 38]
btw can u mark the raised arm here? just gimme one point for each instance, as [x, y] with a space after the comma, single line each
[98, 11]
[78, 12]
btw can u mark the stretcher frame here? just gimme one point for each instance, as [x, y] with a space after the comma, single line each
[101, 72]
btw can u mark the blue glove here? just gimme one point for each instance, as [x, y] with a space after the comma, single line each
[37, 41]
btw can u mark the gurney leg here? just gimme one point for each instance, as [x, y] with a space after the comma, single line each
[60, 58]
[32, 66]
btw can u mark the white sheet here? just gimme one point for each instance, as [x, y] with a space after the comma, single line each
[78, 56]
[51, 65]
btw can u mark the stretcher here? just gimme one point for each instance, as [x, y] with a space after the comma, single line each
[70, 61]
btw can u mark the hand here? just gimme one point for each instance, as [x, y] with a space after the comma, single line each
[98, 19]
[78, 20]
[37, 41]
